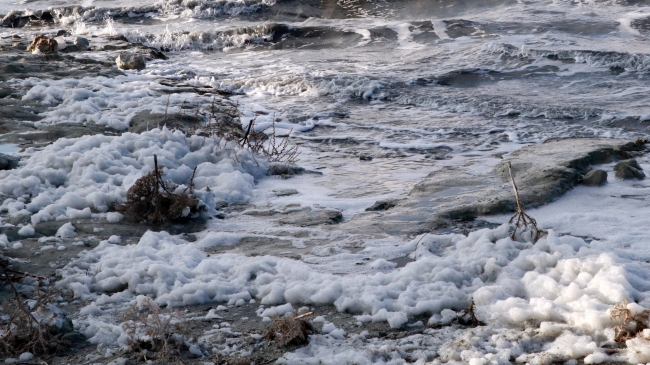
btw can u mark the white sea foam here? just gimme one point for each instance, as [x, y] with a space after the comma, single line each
[73, 176]
[563, 283]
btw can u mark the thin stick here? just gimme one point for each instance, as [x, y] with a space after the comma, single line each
[167, 107]
[514, 187]
[304, 315]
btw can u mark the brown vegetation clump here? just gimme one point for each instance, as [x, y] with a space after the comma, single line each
[468, 316]
[522, 220]
[631, 325]
[29, 327]
[290, 330]
[151, 199]
[154, 332]
[43, 44]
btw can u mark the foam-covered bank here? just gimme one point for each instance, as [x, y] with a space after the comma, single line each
[561, 285]
[88, 176]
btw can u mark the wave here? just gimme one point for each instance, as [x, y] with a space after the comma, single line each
[615, 61]
[274, 36]
[199, 9]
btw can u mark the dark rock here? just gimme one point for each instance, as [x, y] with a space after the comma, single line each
[157, 55]
[8, 162]
[629, 169]
[628, 173]
[285, 192]
[595, 178]
[70, 48]
[46, 16]
[637, 145]
[144, 121]
[11, 232]
[314, 217]
[73, 337]
[118, 38]
[365, 157]
[284, 169]
[5, 91]
[60, 32]
[82, 43]
[381, 205]
[130, 61]
[66, 325]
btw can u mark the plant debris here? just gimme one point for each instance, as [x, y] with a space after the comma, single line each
[153, 332]
[290, 330]
[468, 316]
[32, 325]
[521, 220]
[153, 200]
[631, 324]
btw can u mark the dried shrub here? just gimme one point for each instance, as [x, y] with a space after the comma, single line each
[29, 328]
[631, 325]
[290, 330]
[521, 220]
[154, 332]
[468, 316]
[225, 122]
[152, 199]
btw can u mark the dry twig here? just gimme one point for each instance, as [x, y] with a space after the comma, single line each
[22, 331]
[522, 220]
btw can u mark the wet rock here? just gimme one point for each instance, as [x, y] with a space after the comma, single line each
[381, 205]
[8, 162]
[314, 217]
[284, 169]
[144, 121]
[73, 337]
[42, 44]
[542, 172]
[70, 48]
[60, 33]
[82, 43]
[60, 43]
[65, 326]
[11, 232]
[629, 169]
[157, 55]
[595, 178]
[634, 146]
[5, 91]
[130, 61]
[365, 157]
[285, 192]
